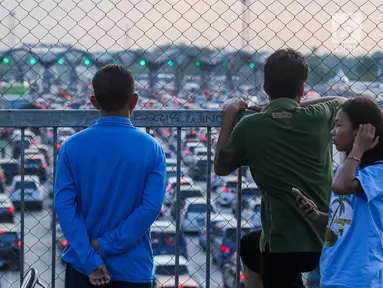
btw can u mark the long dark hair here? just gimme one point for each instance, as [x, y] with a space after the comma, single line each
[365, 111]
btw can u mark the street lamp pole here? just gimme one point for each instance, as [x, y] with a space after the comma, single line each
[245, 26]
[12, 29]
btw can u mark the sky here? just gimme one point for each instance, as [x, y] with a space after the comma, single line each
[342, 26]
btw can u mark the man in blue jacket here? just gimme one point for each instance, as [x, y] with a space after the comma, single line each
[110, 187]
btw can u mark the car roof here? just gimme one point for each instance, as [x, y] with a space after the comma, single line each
[163, 260]
[190, 187]
[250, 185]
[166, 226]
[171, 169]
[195, 200]
[7, 160]
[10, 227]
[171, 160]
[186, 178]
[232, 178]
[27, 178]
[232, 223]
[37, 156]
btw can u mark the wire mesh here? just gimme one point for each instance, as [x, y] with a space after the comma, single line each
[188, 58]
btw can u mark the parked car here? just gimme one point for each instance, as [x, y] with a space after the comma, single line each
[10, 169]
[186, 192]
[193, 216]
[202, 237]
[172, 186]
[250, 192]
[6, 209]
[164, 270]
[228, 190]
[10, 247]
[36, 165]
[224, 237]
[163, 235]
[32, 194]
[229, 273]
[199, 171]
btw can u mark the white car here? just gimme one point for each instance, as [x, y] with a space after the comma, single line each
[193, 214]
[33, 199]
[172, 186]
[164, 269]
[228, 191]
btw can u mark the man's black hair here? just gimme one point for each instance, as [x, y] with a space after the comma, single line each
[285, 71]
[112, 86]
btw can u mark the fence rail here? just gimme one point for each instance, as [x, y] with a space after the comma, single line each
[180, 119]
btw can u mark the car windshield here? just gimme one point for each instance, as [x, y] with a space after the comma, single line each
[191, 194]
[170, 174]
[231, 185]
[250, 192]
[27, 185]
[257, 209]
[170, 270]
[65, 133]
[200, 208]
[34, 162]
[231, 234]
[8, 237]
[10, 167]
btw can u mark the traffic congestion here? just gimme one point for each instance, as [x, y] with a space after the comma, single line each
[38, 221]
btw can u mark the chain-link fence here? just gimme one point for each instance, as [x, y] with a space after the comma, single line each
[187, 57]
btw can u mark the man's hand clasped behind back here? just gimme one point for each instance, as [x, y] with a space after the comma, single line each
[99, 276]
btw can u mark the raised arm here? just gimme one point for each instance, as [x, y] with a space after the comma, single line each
[323, 100]
[229, 150]
[71, 221]
[130, 231]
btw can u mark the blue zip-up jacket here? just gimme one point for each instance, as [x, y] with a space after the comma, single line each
[110, 185]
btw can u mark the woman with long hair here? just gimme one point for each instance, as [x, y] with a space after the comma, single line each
[352, 254]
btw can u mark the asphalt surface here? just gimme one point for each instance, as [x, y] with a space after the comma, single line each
[38, 247]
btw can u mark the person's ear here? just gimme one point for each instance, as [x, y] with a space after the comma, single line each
[94, 102]
[133, 101]
[301, 93]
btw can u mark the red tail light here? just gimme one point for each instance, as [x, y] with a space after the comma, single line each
[194, 132]
[2, 176]
[64, 243]
[19, 244]
[49, 133]
[242, 277]
[25, 165]
[182, 182]
[34, 142]
[44, 107]
[225, 189]
[44, 165]
[58, 146]
[11, 209]
[225, 249]
[236, 181]
[187, 152]
[2, 231]
[162, 211]
[169, 188]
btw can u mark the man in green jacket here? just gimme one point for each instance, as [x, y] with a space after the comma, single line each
[286, 145]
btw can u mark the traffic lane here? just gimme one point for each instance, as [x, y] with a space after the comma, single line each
[197, 265]
[38, 247]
